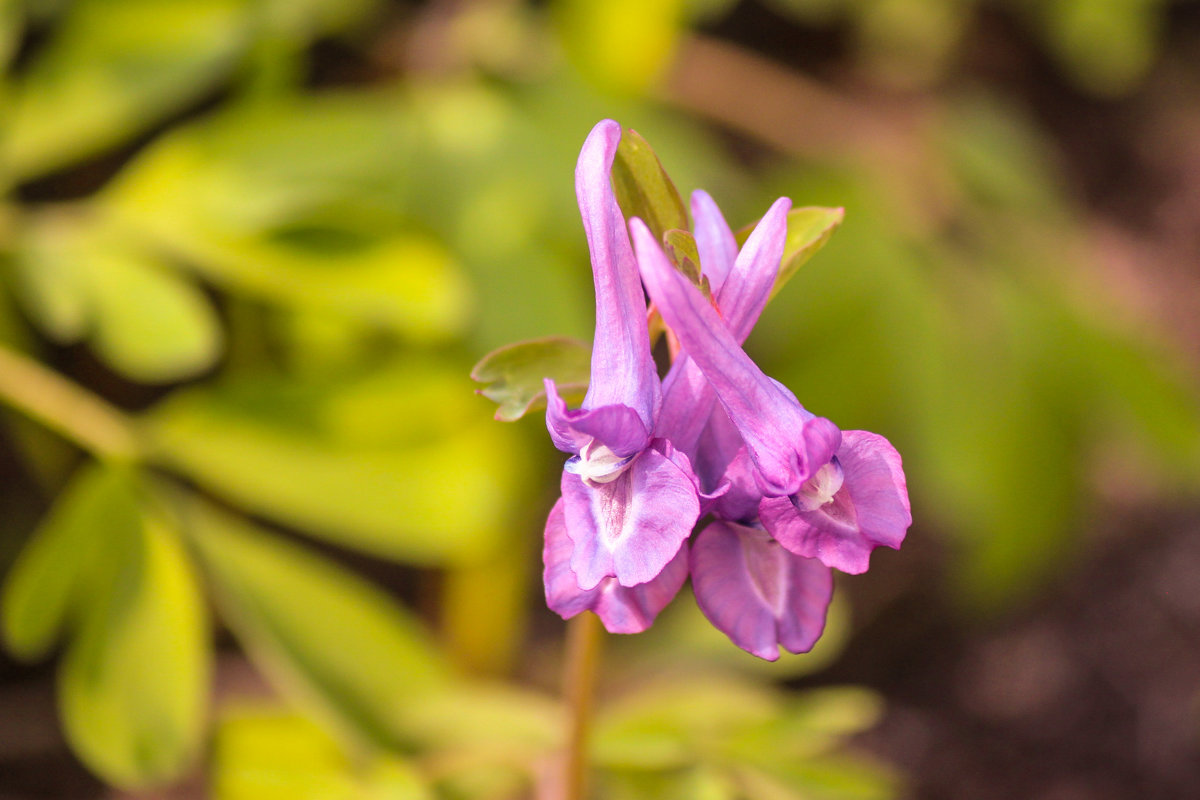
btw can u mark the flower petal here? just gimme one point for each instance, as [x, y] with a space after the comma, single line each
[617, 427]
[739, 502]
[688, 399]
[744, 295]
[758, 594]
[714, 240]
[689, 402]
[785, 444]
[622, 609]
[633, 526]
[871, 509]
[623, 371]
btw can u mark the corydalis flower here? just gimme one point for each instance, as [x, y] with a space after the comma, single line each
[825, 498]
[786, 443]
[790, 495]
[629, 501]
[825, 495]
[757, 593]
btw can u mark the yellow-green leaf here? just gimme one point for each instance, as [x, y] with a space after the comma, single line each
[644, 189]
[271, 203]
[325, 636]
[514, 374]
[406, 465]
[134, 684]
[114, 68]
[11, 22]
[148, 322]
[269, 753]
[619, 45]
[152, 325]
[43, 586]
[808, 229]
[681, 247]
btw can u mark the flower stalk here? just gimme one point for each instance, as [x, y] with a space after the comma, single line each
[584, 640]
[66, 408]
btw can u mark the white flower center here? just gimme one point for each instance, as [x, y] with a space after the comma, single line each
[596, 463]
[820, 488]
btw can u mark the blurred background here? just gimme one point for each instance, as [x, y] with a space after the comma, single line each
[260, 538]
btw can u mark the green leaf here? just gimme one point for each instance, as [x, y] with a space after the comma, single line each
[50, 282]
[514, 374]
[910, 43]
[811, 724]
[703, 782]
[402, 464]
[145, 320]
[282, 202]
[680, 247]
[643, 187]
[1108, 48]
[306, 19]
[481, 716]
[262, 166]
[834, 778]
[152, 325]
[668, 724]
[808, 229]
[326, 637]
[42, 592]
[835, 712]
[403, 282]
[115, 68]
[134, 683]
[268, 753]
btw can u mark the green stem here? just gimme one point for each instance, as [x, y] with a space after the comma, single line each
[584, 637]
[66, 408]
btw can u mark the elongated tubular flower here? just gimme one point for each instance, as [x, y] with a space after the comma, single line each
[752, 589]
[842, 497]
[786, 444]
[740, 284]
[629, 501]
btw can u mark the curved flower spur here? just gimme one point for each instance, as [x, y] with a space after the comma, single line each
[614, 541]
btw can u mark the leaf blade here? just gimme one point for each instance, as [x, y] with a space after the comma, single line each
[643, 187]
[43, 585]
[514, 373]
[808, 230]
[296, 613]
[134, 684]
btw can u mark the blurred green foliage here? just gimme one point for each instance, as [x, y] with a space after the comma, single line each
[283, 284]
[1105, 47]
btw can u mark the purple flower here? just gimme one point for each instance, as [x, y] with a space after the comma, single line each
[790, 495]
[825, 498]
[623, 609]
[852, 505]
[786, 444]
[758, 594]
[629, 501]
